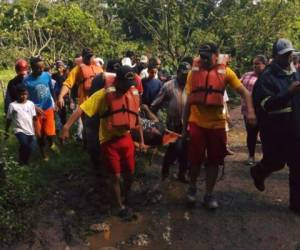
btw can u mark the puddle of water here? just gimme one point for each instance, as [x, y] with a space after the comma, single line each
[119, 231]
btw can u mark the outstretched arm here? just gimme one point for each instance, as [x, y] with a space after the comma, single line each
[149, 114]
[73, 118]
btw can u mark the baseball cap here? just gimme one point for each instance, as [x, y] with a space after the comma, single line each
[59, 63]
[126, 75]
[21, 66]
[126, 61]
[208, 48]
[184, 67]
[144, 59]
[282, 46]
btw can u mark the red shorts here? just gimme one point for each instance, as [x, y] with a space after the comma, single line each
[207, 145]
[46, 123]
[118, 154]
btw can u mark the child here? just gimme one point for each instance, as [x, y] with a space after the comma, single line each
[23, 115]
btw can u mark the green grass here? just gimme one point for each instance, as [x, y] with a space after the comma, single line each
[24, 188]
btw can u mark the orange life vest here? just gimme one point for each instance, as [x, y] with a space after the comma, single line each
[123, 110]
[88, 74]
[208, 86]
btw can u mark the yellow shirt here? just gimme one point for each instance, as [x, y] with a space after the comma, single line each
[211, 116]
[96, 104]
[75, 77]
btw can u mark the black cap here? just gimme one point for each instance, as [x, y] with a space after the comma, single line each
[208, 48]
[184, 67]
[126, 75]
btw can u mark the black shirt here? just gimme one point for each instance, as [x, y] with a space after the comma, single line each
[11, 93]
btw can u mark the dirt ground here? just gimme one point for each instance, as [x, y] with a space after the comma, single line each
[247, 219]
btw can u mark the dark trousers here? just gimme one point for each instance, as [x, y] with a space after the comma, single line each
[62, 114]
[175, 151]
[25, 148]
[279, 149]
[252, 133]
[91, 135]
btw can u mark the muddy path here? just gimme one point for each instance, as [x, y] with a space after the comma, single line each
[246, 219]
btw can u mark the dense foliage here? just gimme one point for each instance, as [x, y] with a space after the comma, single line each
[170, 29]
[167, 28]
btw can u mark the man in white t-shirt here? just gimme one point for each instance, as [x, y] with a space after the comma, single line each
[22, 114]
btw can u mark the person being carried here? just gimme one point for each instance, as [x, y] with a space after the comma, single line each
[117, 105]
[23, 116]
[203, 116]
[151, 129]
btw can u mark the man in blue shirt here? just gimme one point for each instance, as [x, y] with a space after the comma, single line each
[151, 85]
[40, 90]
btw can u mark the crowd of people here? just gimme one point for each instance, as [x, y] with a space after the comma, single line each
[116, 104]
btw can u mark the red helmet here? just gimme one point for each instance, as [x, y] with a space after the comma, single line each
[21, 66]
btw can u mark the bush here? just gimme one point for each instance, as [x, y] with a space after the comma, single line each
[17, 198]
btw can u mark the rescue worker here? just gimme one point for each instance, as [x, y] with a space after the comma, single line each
[204, 119]
[21, 68]
[276, 96]
[82, 75]
[92, 123]
[117, 105]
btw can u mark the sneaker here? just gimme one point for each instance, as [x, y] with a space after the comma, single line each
[259, 182]
[191, 194]
[54, 148]
[251, 161]
[210, 202]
